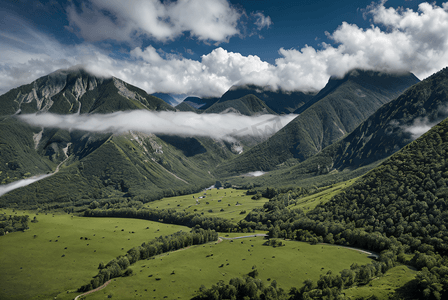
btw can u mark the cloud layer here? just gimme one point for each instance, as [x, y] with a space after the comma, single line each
[398, 40]
[218, 126]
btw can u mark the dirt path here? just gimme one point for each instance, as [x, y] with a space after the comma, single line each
[95, 290]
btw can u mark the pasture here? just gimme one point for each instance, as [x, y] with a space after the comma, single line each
[177, 275]
[62, 252]
[223, 203]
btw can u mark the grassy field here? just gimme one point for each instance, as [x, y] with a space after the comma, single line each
[54, 255]
[224, 203]
[178, 275]
[311, 201]
[384, 287]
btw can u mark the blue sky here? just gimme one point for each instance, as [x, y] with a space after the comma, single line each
[202, 47]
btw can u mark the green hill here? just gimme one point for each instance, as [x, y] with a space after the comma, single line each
[346, 104]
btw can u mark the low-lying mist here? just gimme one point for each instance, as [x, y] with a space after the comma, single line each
[6, 188]
[217, 126]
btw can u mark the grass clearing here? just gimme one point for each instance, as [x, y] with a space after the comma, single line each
[179, 274]
[223, 203]
[54, 256]
[311, 201]
[385, 286]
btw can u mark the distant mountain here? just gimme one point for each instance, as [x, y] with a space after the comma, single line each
[167, 98]
[347, 102]
[184, 106]
[200, 103]
[279, 101]
[248, 105]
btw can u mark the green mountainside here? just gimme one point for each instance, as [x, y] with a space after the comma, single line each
[383, 133]
[348, 103]
[248, 105]
[279, 101]
[94, 164]
[131, 165]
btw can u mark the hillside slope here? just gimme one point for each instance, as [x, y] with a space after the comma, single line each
[348, 102]
[388, 130]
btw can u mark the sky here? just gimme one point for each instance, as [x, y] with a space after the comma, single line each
[203, 47]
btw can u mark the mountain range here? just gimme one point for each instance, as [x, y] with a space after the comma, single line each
[345, 126]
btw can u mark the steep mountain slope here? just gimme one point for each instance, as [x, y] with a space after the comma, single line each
[406, 192]
[97, 164]
[130, 165]
[248, 105]
[73, 91]
[350, 101]
[389, 129]
[279, 101]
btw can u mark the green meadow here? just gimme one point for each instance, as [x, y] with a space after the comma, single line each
[62, 252]
[177, 275]
[230, 204]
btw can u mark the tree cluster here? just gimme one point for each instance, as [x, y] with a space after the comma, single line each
[11, 223]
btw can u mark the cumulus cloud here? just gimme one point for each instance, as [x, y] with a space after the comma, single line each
[218, 126]
[398, 40]
[214, 20]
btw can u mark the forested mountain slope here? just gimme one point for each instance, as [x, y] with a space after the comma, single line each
[346, 104]
[389, 129]
[131, 165]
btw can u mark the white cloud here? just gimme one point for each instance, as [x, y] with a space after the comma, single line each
[214, 20]
[218, 126]
[398, 40]
[262, 20]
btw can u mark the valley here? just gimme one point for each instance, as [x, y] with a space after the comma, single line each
[359, 164]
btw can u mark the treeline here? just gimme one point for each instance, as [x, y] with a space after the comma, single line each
[170, 216]
[11, 223]
[241, 288]
[120, 265]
